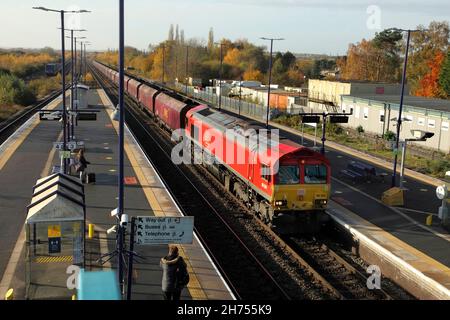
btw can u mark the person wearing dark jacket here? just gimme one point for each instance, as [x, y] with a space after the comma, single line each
[170, 265]
[82, 163]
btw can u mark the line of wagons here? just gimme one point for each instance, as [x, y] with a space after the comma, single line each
[287, 186]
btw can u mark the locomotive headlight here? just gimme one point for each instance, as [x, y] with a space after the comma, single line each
[281, 203]
[321, 203]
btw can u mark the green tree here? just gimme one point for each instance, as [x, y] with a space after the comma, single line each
[444, 77]
[387, 54]
[13, 91]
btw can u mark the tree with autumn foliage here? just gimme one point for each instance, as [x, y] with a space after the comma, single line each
[253, 74]
[429, 85]
[240, 59]
[373, 60]
[426, 43]
[380, 59]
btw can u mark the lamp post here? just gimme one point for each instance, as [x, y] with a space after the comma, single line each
[163, 62]
[74, 118]
[220, 73]
[399, 120]
[73, 90]
[187, 68]
[240, 95]
[63, 70]
[176, 64]
[86, 43]
[122, 216]
[419, 135]
[270, 75]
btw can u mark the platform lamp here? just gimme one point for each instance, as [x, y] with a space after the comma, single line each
[73, 64]
[76, 80]
[270, 75]
[187, 69]
[163, 46]
[73, 91]
[220, 72]
[399, 120]
[86, 44]
[122, 216]
[63, 71]
[119, 115]
[419, 136]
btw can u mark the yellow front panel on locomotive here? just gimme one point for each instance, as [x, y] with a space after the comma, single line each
[300, 197]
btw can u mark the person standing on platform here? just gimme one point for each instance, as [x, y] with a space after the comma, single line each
[175, 276]
[82, 164]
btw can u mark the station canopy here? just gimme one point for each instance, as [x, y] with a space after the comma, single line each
[57, 198]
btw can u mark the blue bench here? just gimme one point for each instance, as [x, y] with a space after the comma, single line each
[351, 174]
[360, 171]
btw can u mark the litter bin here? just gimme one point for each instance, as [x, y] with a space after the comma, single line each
[393, 197]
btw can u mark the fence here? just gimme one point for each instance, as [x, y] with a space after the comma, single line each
[230, 104]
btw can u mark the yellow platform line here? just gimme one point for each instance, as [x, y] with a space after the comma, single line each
[422, 261]
[12, 148]
[58, 259]
[195, 289]
[7, 277]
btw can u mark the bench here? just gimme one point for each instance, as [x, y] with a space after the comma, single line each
[91, 116]
[367, 172]
[351, 174]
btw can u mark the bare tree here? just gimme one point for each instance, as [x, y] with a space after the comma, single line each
[171, 35]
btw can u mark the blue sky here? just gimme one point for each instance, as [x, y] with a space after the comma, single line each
[311, 26]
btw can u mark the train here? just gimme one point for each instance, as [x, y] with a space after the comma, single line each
[285, 184]
[52, 69]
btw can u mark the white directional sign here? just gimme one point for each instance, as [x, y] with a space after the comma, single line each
[441, 192]
[50, 116]
[58, 145]
[164, 230]
[71, 145]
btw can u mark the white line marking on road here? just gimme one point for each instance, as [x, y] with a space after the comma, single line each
[418, 211]
[443, 236]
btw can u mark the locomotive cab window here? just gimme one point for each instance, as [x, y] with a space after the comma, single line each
[315, 174]
[288, 175]
[195, 132]
[265, 173]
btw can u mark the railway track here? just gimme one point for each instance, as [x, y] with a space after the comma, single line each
[330, 275]
[215, 233]
[8, 127]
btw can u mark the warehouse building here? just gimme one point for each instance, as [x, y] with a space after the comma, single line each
[327, 94]
[375, 108]
[379, 114]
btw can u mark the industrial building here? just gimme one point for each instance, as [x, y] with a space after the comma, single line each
[375, 107]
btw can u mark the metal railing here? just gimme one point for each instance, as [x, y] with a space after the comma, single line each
[231, 104]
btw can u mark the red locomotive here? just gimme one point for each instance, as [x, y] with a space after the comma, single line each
[285, 184]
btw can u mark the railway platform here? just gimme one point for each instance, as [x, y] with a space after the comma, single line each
[29, 155]
[395, 234]
[397, 239]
